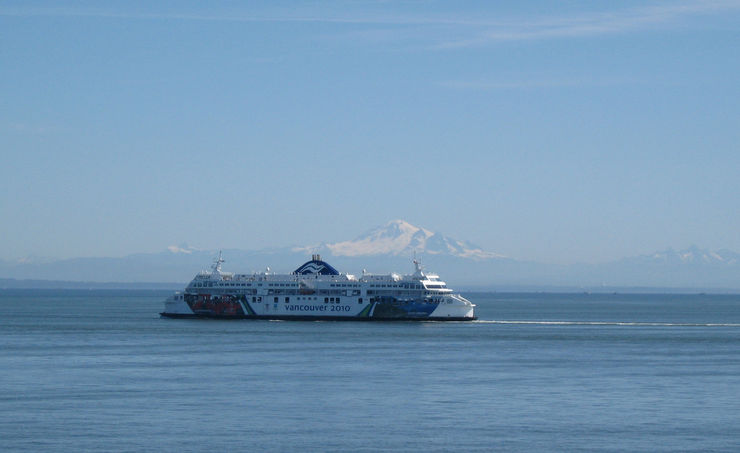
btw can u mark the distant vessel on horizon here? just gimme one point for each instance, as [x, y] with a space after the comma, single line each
[316, 290]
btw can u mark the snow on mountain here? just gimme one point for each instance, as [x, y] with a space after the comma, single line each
[399, 237]
[182, 248]
[692, 255]
[389, 248]
[691, 267]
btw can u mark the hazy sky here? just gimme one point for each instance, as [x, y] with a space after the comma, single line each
[554, 131]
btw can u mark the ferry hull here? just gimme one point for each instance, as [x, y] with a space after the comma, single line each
[317, 291]
[382, 309]
[310, 318]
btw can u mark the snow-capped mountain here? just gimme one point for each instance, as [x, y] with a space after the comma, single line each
[182, 248]
[691, 267]
[400, 238]
[693, 255]
[391, 248]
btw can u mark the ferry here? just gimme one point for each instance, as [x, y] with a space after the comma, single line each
[317, 291]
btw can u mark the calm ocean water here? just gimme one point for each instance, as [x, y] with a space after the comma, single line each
[101, 371]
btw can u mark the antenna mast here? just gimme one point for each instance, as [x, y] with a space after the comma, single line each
[217, 263]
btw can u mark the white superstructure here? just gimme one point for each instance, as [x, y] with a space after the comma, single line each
[318, 291]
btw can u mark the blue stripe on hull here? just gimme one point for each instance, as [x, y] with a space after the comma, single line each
[312, 318]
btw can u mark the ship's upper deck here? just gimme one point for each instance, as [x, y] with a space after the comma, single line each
[319, 274]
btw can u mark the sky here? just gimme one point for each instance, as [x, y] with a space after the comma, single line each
[558, 131]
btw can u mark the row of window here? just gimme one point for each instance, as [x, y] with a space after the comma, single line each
[295, 285]
[333, 300]
[211, 284]
[287, 299]
[402, 285]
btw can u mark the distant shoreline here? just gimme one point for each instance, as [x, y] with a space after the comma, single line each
[23, 284]
[11, 283]
[597, 289]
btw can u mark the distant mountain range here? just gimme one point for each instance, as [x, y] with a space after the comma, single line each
[400, 238]
[391, 247]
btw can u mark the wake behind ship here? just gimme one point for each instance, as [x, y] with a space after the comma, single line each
[318, 291]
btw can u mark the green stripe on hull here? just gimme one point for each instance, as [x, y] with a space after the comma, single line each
[366, 311]
[250, 312]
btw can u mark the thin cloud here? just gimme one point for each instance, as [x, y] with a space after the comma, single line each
[440, 32]
[491, 85]
[592, 24]
[274, 16]
[33, 129]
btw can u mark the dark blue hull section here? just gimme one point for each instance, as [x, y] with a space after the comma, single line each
[311, 318]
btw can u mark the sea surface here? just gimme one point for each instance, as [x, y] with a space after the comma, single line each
[101, 371]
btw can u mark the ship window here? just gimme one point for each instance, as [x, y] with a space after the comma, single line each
[331, 300]
[359, 301]
[326, 299]
[287, 299]
[276, 299]
[337, 300]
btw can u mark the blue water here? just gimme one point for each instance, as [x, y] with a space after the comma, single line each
[100, 371]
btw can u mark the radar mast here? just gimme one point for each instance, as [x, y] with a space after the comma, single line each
[417, 265]
[217, 264]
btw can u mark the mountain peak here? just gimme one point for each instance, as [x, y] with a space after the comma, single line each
[392, 238]
[399, 237]
[692, 255]
[182, 248]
